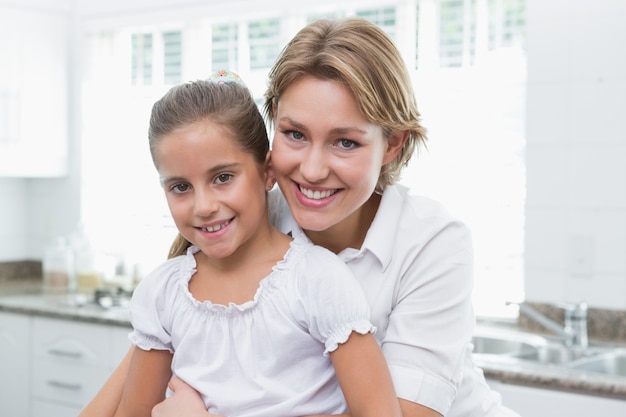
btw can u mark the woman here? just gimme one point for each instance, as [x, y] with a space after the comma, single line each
[343, 109]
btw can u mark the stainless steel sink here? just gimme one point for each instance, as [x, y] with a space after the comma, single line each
[611, 363]
[526, 348]
[550, 354]
[497, 345]
[522, 348]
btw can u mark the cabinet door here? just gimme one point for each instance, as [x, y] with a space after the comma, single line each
[121, 344]
[14, 365]
[33, 92]
[50, 409]
[71, 360]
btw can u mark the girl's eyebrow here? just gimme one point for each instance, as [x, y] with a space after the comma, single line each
[337, 130]
[215, 169]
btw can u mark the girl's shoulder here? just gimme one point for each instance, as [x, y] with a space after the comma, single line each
[315, 265]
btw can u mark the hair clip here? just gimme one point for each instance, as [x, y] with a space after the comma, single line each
[226, 76]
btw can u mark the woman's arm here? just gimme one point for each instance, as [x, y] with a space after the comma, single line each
[364, 377]
[107, 399]
[146, 382]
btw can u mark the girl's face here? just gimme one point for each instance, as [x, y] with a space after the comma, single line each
[214, 190]
[326, 156]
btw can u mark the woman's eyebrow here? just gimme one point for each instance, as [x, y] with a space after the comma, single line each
[337, 130]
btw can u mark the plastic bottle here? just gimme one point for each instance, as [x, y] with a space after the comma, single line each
[58, 268]
[88, 276]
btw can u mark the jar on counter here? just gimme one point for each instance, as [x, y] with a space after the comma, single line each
[88, 273]
[58, 268]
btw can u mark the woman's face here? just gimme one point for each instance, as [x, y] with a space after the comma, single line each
[326, 156]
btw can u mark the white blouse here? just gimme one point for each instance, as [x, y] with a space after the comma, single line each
[265, 357]
[416, 269]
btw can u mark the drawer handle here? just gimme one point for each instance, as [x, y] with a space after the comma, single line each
[65, 385]
[65, 353]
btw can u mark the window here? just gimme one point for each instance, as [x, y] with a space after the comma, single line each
[172, 57]
[473, 108]
[141, 60]
[456, 33]
[264, 43]
[506, 23]
[384, 18]
[224, 49]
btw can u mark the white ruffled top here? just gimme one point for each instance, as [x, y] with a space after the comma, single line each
[265, 357]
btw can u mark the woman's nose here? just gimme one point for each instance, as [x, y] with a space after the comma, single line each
[314, 165]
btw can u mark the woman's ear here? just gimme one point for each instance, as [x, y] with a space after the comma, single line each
[395, 143]
[270, 178]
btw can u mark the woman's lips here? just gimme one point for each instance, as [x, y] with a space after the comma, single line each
[316, 194]
[315, 198]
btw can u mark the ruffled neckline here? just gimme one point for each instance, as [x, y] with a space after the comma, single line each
[266, 285]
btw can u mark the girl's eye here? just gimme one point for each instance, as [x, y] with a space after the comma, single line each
[180, 188]
[347, 144]
[223, 178]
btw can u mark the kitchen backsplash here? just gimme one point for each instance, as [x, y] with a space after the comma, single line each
[602, 325]
[18, 270]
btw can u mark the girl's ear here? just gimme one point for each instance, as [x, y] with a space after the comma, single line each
[395, 143]
[270, 178]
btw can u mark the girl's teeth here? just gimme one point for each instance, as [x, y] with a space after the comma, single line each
[215, 228]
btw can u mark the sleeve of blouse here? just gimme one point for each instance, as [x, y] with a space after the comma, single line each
[148, 307]
[430, 326]
[333, 301]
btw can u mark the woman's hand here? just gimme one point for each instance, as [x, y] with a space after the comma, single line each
[185, 401]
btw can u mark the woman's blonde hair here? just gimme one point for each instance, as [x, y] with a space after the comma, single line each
[362, 57]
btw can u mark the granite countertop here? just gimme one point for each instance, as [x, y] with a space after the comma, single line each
[554, 377]
[76, 308]
[538, 376]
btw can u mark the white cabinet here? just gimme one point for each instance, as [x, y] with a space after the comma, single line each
[33, 91]
[70, 362]
[14, 365]
[535, 402]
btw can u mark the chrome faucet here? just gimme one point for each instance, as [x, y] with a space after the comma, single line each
[574, 331]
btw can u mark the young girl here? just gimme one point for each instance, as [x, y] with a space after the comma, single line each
[258, 322]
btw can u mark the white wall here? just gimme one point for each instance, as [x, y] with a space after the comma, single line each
[575, 245]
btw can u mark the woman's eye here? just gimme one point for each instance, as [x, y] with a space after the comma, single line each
[294, 134]
[223, 178]
[347, 144]
[180, 188]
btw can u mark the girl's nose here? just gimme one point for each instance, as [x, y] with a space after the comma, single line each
[314, 165]
[205, 204]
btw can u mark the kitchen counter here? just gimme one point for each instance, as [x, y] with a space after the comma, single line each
[558, 378]
[65, 307]
[540, 376]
